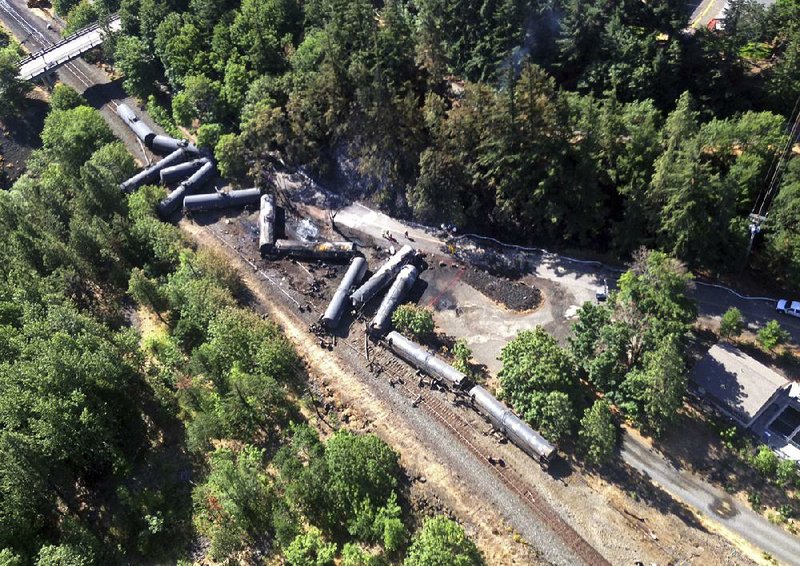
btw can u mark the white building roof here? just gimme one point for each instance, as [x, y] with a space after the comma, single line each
[737, 383]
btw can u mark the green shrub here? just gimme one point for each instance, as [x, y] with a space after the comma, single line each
[310, 549]
[765, 461]
[462, 356]
[414, 320]
[728, 437]
[754, 498]
[772, 335]
[786, 472]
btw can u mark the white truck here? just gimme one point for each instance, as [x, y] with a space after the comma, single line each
[792, 308]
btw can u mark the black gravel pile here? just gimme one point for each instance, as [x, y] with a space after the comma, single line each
[514, 295]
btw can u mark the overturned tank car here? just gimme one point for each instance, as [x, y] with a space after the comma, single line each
[514, 428]
[381, 278]
[352, 277]
[399, 289]
[327, 251]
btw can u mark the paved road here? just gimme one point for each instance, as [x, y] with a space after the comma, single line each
[704, 12]
[712, 502]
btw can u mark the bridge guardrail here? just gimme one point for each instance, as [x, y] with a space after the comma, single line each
[64, 41]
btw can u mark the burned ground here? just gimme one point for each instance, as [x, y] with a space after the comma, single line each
[19, 137]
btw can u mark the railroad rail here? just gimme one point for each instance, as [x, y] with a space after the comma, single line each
[403, 376]
[455, 423]
[43, 42]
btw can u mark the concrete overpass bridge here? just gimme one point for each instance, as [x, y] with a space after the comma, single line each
[39, 64]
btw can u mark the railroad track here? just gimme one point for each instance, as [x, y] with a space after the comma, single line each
[384, 361]
[380, 360]
[44, 42]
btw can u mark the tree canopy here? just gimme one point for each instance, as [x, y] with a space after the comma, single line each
[479, 114]
[122, 440]
[442, 542]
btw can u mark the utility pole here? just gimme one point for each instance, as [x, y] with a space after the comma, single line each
[756, 220]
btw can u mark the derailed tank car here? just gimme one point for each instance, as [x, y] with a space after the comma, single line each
[330, 251]
[166, 144]
[399, 289]
[424, 360]
[382, 277]
[157, 143]
[177, 173]
[504, 420]
[266, 225]
[150, 175]
[352, 277]
[193, 183]
[216, 201]
[142, 130]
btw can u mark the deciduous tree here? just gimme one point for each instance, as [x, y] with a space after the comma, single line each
[134, 59]
[772, 335]
[72, 136]
[442, 542]
[538, 377]
[731, 324]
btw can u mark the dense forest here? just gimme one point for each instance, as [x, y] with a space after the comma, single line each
[576, 123]
[148, 415]
[592, 124]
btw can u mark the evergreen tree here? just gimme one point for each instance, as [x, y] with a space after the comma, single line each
[598, 434]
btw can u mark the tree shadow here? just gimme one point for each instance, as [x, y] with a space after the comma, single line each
[640, 487]
[705, 454]
[100, 94]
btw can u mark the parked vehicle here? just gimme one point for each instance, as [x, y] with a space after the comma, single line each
[792, 308]
[601, 294]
